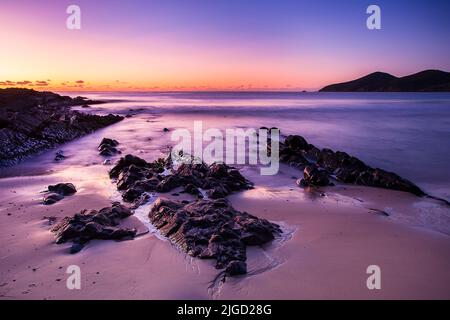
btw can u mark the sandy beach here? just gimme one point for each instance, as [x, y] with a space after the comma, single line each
[330, 236]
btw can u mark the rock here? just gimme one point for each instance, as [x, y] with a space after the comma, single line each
[191, 189]
[125, 162]
[50, 219]
[236, 268]
[136, 177]
[64, 189]
[301, 183]
[296, 143]
[109, 142]
[76, 247]
[52, 198]
[212, 229]
[316, 177]
[33, 121]
[320, 165]
[107, 147]
[92, 224]
[217, 192]
[59, 156]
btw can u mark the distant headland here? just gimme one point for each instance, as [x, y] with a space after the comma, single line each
[424, 81]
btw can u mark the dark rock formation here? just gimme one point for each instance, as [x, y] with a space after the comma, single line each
[32, 121]
[64, 189]
[136, 176]
[57, 192]
[108, 148]
[314, 176]
[319, 164]
[52, 198]
[92, 224]
[59, 156]
[425, 81]
[212, 229]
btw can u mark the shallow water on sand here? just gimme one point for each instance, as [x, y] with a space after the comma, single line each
[330, 238]
[391, 131]
[407, 133]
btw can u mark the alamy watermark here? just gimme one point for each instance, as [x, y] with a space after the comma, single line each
[73, 21]
[373, 22]
[74, 279]
[232, 146]
[374, 280]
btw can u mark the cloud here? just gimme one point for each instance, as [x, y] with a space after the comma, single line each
[79, 81]
[7, 83]
[23, 83]
[41, 83]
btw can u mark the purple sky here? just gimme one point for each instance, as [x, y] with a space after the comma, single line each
[219, 44]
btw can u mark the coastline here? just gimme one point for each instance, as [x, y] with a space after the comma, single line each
[331, 239]
[332, 243]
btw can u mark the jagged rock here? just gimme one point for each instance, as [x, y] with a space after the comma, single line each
[64, 189]
[57, 192]
[136, 176]
[314, 176]
[52, 198]
[92, 224]
[59, 156]
[50, 219]
[296, 151]
[107, 147]
[32, 121]
[212, 229]
[236, 268]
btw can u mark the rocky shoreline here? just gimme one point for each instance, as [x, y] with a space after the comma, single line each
[321, 166]
[208, 227]
[33, 121]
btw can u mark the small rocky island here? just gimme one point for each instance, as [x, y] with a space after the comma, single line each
[33, 121]
[424, 81]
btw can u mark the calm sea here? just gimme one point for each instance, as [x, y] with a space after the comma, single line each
[408, 133]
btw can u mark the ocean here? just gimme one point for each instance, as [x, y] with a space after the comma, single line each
[408, 133]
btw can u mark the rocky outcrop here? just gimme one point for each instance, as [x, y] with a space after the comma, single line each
[107, 147]
[207, 228]
[59, 156]
[57, 192]
[212, 229]
[135, 177]
[32, 121]
[314, 176]
[92, 224]
[321, 164]
[424, 81]
[65, 189]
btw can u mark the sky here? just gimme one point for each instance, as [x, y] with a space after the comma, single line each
[216, 44]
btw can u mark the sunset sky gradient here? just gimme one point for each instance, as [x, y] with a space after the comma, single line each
[216, 44]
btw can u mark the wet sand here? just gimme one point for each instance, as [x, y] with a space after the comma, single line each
[332, 236]
[332, 239]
